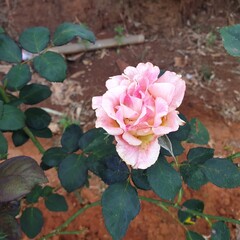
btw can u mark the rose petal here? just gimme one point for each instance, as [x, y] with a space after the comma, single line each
[138, 156]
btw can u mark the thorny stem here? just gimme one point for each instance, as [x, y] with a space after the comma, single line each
[196, 213]
[59, 229]
[34, 140]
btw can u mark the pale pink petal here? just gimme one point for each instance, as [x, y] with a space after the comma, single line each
[111, 99]
[161, 109]
[169, 124]
[130, 139]
[163, 90]
[107, 123]
[140, 157]
[96, 102]
[113, 82]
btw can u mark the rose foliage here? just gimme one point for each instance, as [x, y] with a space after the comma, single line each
[134, 147]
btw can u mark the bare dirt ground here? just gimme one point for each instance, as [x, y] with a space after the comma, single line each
[188, 44]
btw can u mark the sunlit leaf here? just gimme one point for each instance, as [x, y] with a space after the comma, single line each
[34, 39]
[67, 31]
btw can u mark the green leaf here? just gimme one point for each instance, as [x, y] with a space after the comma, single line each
[9, 227]
[35, 39]
[222, 172]
[120, 205]
[46, 191]
[37, 118]
[34, 195]
[12, 118]
[51, 66]
[140, 179]
[200, 155]
[193, 175]
[164, 180]
[220, 231]
[191, 204]
[231, 39]
[41, 133]
[34, 93]
[18, 76]
[1, 30]
[53, 156]
[18, 176]
[113, 170]
[56, 203]
[71, 137]
[72, 172]
[65, 32]
[3, 146]
[19, 137]
[1, 108]
[182, 133]
[190, 235]
[198, 134]
[97, 142]
[31, 222]
[9, 50]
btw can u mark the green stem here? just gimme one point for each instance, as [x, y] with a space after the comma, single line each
[4, 95]
[196, 213]
[68, 221]
[34, 140]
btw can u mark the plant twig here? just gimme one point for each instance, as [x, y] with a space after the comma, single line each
[34, 140]
[59, 229]
[196, 213]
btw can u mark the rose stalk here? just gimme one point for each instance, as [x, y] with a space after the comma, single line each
[138, 108]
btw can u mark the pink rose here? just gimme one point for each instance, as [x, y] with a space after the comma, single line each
[137, 108]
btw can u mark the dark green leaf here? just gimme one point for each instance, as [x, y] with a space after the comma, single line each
[19, 137]
[3, 146]
[31, 221]
[56, 203]
[35, 39]
[198, 134]
[34, 93]
[9, 50]
[18, 76]
[1, 30]
[41, 133]
[164, 180]
[37, 118]
[190, 235]
[193, 175]
[72, 172]
[192, 204]
[18, 176]
[200, 155]
[220, 231]
[98, 142]
[231, 39]
[34, 195]
[114, 170]
[12, 118]
[222, 172]
[182, 133]
[47, 190]
[70, 138]
[51, 66]
[1, 108]
[9, 227]
[67, 31]
[120, 205]
[53, 156]
[140, 179]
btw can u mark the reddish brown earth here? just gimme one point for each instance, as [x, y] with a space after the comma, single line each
[181, 43]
